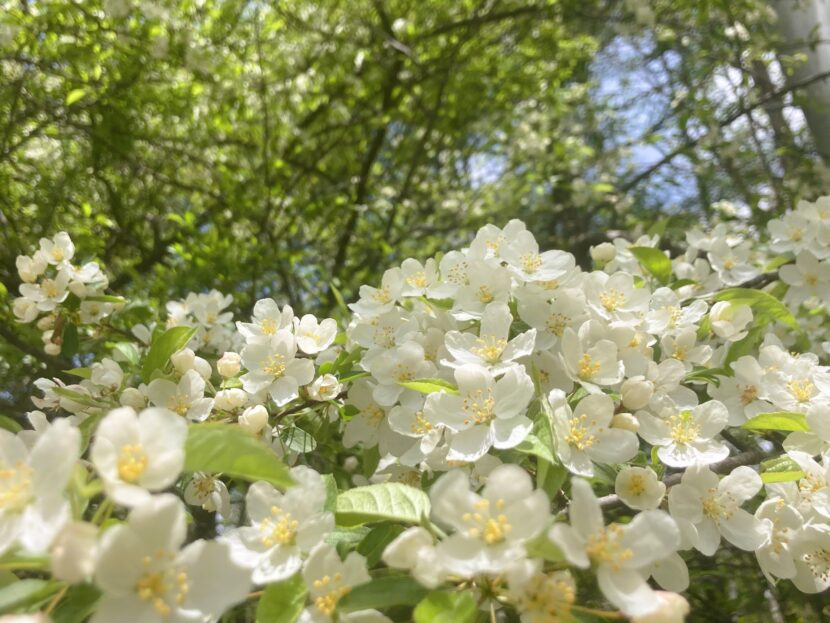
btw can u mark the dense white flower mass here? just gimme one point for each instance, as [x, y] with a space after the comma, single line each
[430, 447]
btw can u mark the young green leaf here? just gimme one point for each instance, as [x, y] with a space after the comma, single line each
[282, 602]
[778, 420]
[233, 451]
[166, 344]
[387, 501]
[654, 261]
[383, 592]
[445, 607]
[430, 386]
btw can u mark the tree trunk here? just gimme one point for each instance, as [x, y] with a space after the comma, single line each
[805, 27]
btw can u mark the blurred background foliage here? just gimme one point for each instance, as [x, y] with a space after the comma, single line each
[273, 148]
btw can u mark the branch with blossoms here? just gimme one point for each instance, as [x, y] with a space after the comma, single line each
[493, 434]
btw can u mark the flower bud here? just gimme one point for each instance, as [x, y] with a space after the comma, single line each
[625, 421]
[74, 552]
[229, 364]
[230, 399]
[603, 252]
[672, 608]
[46, 323]
[636, 392]
[350, 464]
[254, 419]
[183, 360]
[131, 397]
[52, 349]
[202, 366]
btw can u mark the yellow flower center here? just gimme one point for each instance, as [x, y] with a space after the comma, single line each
[556, 323]
[15, 484]
[547, 599]
[588, 368]
[802, 390]
[131, 463]
[683, 428]
[480, 406]
[612, 299]
[327, 602]
[279, 529]
[749, 394]
[579, 435]
[490, 529]
[636, 484]
[485, 295]
[603, 547]
[274, 365]
[489, 348]
[421, 425]
[382, 295]
[178, 404]
[51, 288]
[531, 262]
[818, 562]
[268, 326]
[402, 373]
[417, 280]
[719, 505]
[162, 587]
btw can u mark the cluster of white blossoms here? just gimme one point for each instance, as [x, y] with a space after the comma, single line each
[49, 279]
[456, 442]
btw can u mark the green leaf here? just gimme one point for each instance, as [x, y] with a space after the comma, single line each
[163, 346]
[384, 592]
[542, 547]
[445, 607]
[331, 493]
[233, 451]
[282, 602]
[107, 298]
[387, 501]
[348, 536]
[533, 445]
[10, 424]
[128, 350]
[87, 428]
[770, 477]
[654, 261]
[707, 375]
[69, 340]
[83, 373]
[77, 605]
[298, 440]
[778, 420]
[746, 346]
[550, 476]
[24, 593]
[78, 397]
[430, 386]
[765, 306]
[75, 95]
[376, 541]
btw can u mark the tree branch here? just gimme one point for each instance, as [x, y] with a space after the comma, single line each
[743, 110]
